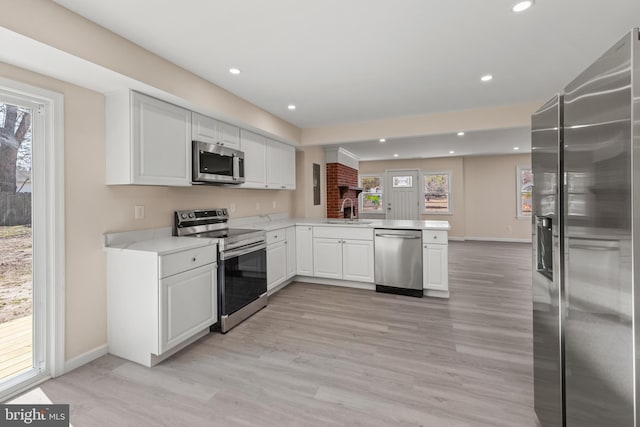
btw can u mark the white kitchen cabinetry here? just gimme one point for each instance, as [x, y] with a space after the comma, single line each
[148, 141]
[207, 129]
[281, 161]
[268, 164]
[291, 252]
[304, 250]
[327, 258]
[188, 303]
[343, 253]
[159, 303]
[435, 260]
[281, 247]
[357, 260]
[254, 147]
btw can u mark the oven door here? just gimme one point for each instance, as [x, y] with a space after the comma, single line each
[216, 164]
[243, 277]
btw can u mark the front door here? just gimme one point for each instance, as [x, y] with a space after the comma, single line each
[401, 193]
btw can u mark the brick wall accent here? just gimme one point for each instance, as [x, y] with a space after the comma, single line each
[340, 175]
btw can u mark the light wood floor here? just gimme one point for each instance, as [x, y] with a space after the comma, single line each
[322, 355]
[16, 345]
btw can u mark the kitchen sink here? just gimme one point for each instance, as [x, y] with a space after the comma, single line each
[348, 221]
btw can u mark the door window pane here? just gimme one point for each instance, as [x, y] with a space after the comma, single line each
[402, 181]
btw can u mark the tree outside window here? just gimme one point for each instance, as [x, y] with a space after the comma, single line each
[525, 190]
[437, 192]
[371, 196]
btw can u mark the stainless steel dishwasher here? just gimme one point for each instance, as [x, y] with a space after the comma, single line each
[398, 261]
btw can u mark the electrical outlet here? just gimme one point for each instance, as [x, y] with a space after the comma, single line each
[138, 211]
[232, 207]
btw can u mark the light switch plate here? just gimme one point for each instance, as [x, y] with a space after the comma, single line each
[139, 211]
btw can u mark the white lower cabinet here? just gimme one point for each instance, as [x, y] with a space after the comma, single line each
[159, 303]
[304, 250]
[343, 258]
[357, 260]
[327, 255]
[188, 304]
[281, 256]
[435, 261]
[291, 252]
[276, 264]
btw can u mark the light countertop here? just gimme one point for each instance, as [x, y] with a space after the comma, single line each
[364, 223]
[159, 241]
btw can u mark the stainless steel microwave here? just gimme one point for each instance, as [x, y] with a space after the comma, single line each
[215, 164]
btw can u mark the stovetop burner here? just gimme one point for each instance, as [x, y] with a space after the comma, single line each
[212, 224]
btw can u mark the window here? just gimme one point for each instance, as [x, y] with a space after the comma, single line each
[525, 188]
[371, 196]
[437, 192]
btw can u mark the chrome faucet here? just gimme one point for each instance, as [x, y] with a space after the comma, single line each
[342, 207]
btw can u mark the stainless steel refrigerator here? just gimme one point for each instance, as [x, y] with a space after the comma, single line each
[586, 231]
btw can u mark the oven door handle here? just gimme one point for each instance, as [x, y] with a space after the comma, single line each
[242, 251]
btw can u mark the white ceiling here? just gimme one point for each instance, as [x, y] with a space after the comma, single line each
[344, 61]
[497, 141]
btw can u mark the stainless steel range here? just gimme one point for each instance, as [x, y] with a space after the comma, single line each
[242, 262]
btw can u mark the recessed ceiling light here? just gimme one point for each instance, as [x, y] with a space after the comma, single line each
[291, 107]
[486, 78]
[516, 148]
[234, 71]
[452, 152]
[383, 140]
[395, 155]
[522, 6]
[460, 133]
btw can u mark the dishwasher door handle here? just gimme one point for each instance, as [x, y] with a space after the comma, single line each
[398, 236]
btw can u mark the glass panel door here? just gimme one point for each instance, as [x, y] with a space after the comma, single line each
[17, 291]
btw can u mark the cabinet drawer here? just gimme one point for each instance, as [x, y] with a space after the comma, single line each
[186, 260]
[353, 233]
[434, 237]
[276, 236]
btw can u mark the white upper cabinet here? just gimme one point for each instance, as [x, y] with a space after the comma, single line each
[254, 147]
[289, 167]
[229, 135]
[207, 129]
[148, 141]
[267, 163]
[274, 164]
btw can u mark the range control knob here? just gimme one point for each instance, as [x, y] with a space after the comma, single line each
[224, 211]
[219, 212]
[184, 216]
[192, 215]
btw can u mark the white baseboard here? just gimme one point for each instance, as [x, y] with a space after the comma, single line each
[85, 358]
[456, 239]
[498, 239]
[335, 282]
[280, 286]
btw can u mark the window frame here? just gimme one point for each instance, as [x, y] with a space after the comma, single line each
[519, 213]
[361, 195]
[423, 208]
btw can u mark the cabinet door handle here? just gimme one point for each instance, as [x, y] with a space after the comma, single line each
[283, 186]
[425, 246]
[194, 259]
[266, 186]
